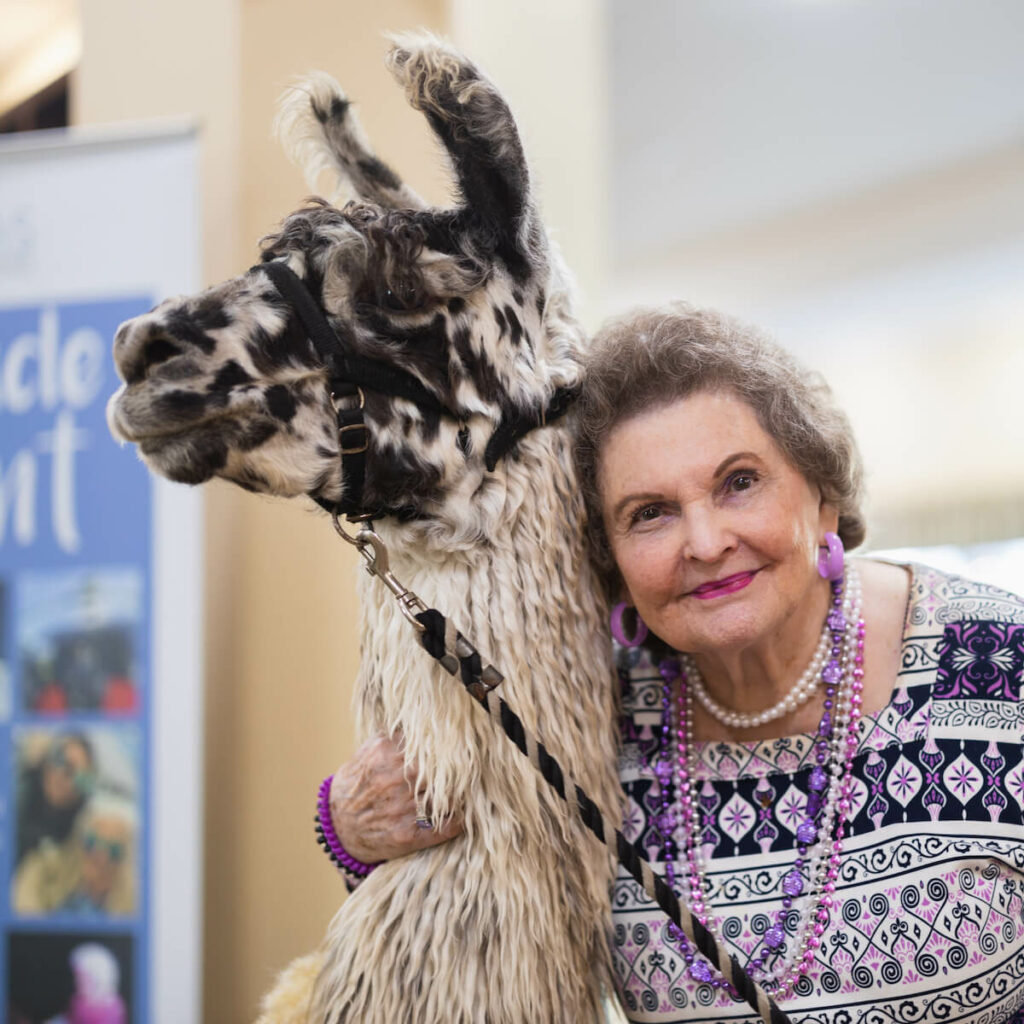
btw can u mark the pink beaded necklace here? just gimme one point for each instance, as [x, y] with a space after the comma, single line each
[819, 836]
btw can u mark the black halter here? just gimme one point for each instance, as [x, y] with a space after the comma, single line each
[350, 375]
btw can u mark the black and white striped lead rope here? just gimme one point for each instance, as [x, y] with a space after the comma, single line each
[458, 657]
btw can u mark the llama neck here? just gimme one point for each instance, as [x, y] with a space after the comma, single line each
[531, 524]
[527, 598]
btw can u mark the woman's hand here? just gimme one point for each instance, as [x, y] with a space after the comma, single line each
[374, 806]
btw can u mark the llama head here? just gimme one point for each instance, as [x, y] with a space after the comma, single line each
[467, 300]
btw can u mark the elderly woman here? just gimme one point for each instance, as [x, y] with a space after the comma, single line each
[823, 755]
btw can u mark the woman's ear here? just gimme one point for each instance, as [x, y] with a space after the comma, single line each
[828, 518]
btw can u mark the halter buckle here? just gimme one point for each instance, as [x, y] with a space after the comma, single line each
[359, 448]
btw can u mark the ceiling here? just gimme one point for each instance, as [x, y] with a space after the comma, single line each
[726, 113]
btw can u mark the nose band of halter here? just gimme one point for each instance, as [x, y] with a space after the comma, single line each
[350, 375]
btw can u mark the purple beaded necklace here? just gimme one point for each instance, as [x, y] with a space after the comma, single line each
[819, 835]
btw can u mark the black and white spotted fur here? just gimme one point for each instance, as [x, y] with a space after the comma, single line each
[227, 384]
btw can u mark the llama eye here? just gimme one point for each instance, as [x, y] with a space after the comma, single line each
[400, 300]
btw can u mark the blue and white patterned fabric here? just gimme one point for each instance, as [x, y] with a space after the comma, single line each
[929, 920]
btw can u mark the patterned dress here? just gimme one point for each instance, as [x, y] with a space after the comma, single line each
[929, 919]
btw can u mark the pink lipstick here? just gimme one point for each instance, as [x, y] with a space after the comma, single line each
[719, 588]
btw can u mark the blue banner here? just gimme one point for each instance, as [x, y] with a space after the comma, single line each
[75, 674]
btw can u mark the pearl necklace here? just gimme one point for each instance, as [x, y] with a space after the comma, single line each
[801, 692]
[826, 811]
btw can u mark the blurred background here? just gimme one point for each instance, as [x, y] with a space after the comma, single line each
[847, 173]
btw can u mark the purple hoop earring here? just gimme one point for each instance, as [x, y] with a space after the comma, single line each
[617, 628]
[830, 557]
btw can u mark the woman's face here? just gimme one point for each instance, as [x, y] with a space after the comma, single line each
[714, 532]
[66, 773]
[104, 843]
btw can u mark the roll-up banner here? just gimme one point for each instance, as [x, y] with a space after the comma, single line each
[100, 595]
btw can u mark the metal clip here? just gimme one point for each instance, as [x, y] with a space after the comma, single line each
[336, 399]
[342, 532]
[374, 550]
[375, 553]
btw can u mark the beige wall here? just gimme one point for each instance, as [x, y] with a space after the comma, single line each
[148, 60]
[282, 640]
[550, 59]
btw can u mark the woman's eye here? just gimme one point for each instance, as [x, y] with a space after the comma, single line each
[741, 481]
[645, 514]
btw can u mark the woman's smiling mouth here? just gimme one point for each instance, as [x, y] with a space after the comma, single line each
[727, 585]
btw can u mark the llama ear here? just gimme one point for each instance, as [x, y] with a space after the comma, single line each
[320, 132]
[475, 125]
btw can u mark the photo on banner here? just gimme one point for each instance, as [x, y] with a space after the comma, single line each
[62, 978]
[77, 823]
[78, 639]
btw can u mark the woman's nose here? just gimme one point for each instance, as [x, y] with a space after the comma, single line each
[708, 535]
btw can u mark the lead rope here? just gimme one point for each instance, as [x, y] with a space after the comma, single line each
[459, 657]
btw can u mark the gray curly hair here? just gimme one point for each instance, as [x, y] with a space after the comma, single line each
[655, 356]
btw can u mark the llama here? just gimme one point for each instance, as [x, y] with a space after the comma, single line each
[507, 923]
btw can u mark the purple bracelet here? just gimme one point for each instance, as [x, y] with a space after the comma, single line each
[328, 838]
